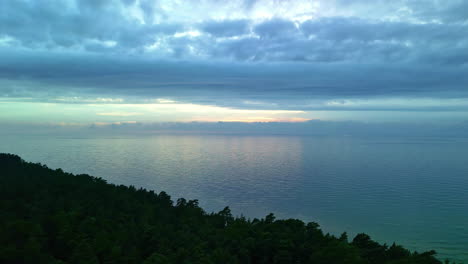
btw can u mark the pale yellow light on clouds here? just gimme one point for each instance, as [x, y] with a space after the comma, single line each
[164, 111]
[119, 114]
[209, 113]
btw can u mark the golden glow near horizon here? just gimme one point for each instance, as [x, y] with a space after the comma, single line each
[109, 111]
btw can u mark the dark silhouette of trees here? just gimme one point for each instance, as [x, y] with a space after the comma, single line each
[50, 216]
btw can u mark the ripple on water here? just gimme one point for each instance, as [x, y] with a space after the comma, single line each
[408, 190]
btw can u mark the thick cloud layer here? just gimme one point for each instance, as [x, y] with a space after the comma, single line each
[314, 31]
[403, 55]
[298, 86]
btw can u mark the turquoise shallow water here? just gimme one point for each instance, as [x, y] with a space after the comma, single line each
[410, 190]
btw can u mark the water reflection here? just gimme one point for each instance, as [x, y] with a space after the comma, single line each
[410, 190]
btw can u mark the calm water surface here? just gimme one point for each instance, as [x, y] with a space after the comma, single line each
[410, 190]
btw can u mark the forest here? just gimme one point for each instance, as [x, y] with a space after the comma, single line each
[50, 216]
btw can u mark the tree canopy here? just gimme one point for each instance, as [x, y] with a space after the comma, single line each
[50, 216]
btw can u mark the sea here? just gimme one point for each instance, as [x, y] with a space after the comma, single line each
[408, 190]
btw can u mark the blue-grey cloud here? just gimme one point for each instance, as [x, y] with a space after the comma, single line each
[229, 28]
[78, 25]
[432, 33]
[280, 54]
[298, 86]
[276, 29]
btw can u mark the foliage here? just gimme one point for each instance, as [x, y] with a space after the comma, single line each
[49, 216]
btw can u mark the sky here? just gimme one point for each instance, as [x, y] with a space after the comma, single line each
[98, 62]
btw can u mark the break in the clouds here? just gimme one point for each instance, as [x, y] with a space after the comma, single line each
[293, 60]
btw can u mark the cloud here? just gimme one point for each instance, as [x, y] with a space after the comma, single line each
[226, 28]
[89, 78]
[327, 31]
[79, 25]
[121, 114]
[26, 111]
[276, 29]
[403, 55]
